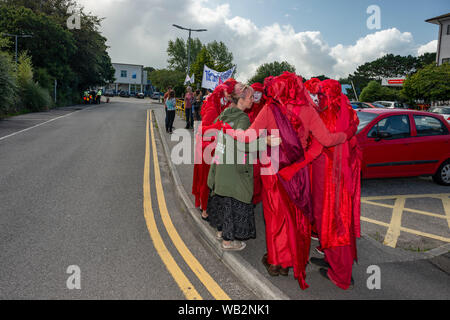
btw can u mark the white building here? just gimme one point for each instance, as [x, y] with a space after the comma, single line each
[443, 50]
[129, 77]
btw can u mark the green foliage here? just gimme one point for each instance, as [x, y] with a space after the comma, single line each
[388, 66]
[164, 78]
[431, 84]
[35, 98]
[375, 92]
[222, 58]
[77, 59]
[178, 53]
[204, 57]
[270, 69]
[31, 96]
[8, 85]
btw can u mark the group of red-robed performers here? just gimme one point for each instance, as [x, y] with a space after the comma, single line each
[313, 184]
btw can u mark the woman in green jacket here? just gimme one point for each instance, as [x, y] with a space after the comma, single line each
[230, 178]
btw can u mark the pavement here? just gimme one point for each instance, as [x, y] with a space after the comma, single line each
[404, 274]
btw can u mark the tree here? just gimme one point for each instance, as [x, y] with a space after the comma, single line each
[77, 59]
[178, 53]
[203, 58]
[431, 84]
[164, 78]
[388, 66]
[270, 69]
[7, 83]
[375, 91]
[222, 58]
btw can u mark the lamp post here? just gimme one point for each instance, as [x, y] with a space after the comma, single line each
[189, 43]
[17, 36]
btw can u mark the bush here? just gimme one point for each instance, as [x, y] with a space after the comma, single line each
[7, 84]
[374, 91]
[35, 98]
[32, 96]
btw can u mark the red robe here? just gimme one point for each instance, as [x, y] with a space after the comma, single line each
[211, 109]
[337, 192]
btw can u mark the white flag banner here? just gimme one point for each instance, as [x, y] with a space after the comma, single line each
[188, 80]
[193, 78]
[212, 78]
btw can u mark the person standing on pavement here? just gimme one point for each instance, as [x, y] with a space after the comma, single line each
[198, 104]
[166, 96]
[188, 101]
[213, 106]
[286, 204]
[171, 105]
[230, 205]
[336, 187]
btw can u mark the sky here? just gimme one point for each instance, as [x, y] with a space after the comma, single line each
[330, 37]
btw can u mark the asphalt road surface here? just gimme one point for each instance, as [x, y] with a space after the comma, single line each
[81, 216]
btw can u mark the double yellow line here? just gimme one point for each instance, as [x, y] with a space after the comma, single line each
[180, 278]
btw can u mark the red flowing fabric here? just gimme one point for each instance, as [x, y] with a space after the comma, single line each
[253, 114]
[288, 229]
[341, 189]
[211, 109]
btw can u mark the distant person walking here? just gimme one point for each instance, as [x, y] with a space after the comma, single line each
[171, 105]
[166, 96]
[188, 101]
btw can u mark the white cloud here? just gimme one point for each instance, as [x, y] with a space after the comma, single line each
[430, 47]
[138, 32]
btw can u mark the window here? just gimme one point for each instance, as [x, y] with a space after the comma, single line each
[429, 126]
[446, 60]
[123, 73]
[448, 29]
[397, 126]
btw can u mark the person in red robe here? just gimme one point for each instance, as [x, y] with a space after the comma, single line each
[289, 112]
[211, 109]
[259, 101]
[335, 187]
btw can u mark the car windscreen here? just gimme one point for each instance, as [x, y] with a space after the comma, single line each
[364, 119]
[440, 110]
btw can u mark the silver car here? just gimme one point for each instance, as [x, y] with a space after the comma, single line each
[442, 110]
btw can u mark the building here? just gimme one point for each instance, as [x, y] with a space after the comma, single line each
[131, 78]
[443, 50]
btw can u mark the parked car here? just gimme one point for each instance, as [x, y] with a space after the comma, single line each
[156, 95]
[109, 93]
[393, 104]
[404, 143]
[124, 94]
[364, 105]
[442, 110]
[140, 95]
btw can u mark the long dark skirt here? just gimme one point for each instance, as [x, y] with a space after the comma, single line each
[234, 218]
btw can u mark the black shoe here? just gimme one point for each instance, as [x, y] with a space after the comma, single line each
[319, 262]
[205, 219]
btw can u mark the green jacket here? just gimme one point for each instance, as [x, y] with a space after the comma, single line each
[233, 179]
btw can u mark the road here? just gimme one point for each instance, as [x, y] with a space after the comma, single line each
[83, 213]
[89, 211]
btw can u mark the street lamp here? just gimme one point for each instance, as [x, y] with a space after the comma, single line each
[189, 43]
[17, 36]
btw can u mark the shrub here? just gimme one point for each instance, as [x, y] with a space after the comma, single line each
[8, 85]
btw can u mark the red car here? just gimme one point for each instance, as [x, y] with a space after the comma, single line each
[404, 143]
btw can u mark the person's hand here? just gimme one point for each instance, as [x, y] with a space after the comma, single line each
[226, 126]
[273, 141]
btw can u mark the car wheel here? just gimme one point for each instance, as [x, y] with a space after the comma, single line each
[442, 176]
